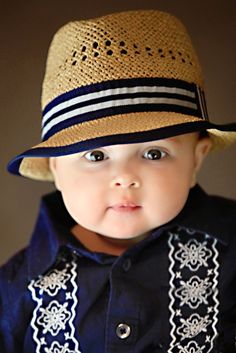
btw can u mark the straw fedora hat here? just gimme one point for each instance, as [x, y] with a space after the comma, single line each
[122, 78]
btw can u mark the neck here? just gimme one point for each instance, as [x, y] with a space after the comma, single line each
[100, 243]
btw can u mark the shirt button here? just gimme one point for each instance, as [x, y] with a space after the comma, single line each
[126, 264]
[123, 331]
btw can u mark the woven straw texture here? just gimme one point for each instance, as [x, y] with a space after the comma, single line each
[118, 46]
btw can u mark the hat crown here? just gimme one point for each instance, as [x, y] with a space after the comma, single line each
[133, 44]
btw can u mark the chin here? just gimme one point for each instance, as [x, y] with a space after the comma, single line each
[124, 235]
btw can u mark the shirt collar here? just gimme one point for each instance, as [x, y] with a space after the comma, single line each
[52, 229]
[212, 215]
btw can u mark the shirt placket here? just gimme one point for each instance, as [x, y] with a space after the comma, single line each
[122, 322]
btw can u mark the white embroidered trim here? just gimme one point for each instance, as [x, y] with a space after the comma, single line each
[53, 281]
[53, 320]
[194, 292]
[57, 348]
[193, 285]
[54, 317]
[193, 326]
[192, 347]
[193, 255]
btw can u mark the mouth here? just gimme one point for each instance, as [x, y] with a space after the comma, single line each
[125, 207]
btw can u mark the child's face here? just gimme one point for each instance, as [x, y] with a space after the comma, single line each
[125, 191]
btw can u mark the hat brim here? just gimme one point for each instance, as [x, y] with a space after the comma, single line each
[140, 127]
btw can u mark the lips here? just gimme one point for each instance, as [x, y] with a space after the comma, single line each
[125, 207]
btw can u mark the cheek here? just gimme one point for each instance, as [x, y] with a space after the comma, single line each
[168, 190]
[82, 197]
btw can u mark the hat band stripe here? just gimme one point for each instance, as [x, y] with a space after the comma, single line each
[94, 102]
[117, 103]
[113, 92]
[131, 83]
[85, 106]
[124, 110]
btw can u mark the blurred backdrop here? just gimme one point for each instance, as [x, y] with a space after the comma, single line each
[27, 28]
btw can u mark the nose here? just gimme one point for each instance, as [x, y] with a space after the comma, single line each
[126, 181]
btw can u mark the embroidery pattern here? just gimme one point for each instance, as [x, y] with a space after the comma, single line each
[53, 281]
[192, 347]
[57, 348]
[55, 295]
[193, 254]
[193, 326]
[193, 285]
[194, 292]
[54, 317]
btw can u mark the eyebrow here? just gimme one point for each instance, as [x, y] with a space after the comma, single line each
[174, 139]
[168, 139]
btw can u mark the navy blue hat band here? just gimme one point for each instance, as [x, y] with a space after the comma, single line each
[122, 97]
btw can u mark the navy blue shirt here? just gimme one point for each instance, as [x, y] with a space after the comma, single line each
[174, 291]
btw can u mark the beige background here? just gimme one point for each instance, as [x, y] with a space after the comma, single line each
[26, 31]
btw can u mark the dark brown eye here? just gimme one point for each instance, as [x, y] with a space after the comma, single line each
[154, 154]
[95, 156]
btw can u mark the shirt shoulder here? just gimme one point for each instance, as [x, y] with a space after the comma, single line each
[10, 270]
[211, 214]
[223, 207]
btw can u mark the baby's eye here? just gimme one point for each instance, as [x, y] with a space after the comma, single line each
[155, 154]
[95, 156]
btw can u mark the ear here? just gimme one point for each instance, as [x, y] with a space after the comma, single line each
[202, 148]
[53, 168]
